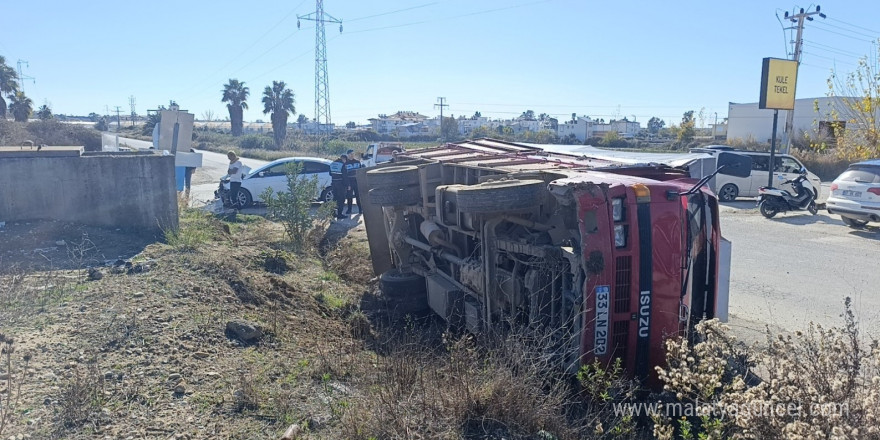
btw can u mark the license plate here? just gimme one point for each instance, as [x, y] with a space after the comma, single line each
[848, 193]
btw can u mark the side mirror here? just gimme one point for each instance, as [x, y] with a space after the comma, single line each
[733, 164]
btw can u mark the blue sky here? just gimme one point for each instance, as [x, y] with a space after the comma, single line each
[500, 57]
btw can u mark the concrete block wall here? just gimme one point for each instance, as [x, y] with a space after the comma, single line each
[124, 190]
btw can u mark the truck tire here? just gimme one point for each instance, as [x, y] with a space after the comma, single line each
[393, 177]
[406, 293]
[500, 195]
[408, 195]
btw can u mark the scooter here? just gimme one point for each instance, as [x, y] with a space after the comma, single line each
[222, 192]
[772, 201]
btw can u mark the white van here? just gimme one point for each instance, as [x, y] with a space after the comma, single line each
[787, 168]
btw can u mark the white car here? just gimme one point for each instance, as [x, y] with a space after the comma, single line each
[274, 175]
[855, 194]
[787, 168]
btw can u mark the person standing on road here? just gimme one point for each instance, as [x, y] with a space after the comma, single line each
[351, 167]
[234, 173]
[339, 183]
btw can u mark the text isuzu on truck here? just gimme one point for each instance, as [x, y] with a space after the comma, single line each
[610, 258]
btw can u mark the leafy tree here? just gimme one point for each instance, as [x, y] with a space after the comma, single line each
[293, 207]
[349, 124]
[449, 129]
[152, 120]
[235, 94]
[21, 106]
[686, 131]
[858, 108]
[8, 84]
[655, 124]
[44, 112]
[477, 114]
[528, 115]
[302, 119]
[93, 117]
[278, 101]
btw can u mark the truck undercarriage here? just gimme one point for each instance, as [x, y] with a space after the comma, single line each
[608, 260]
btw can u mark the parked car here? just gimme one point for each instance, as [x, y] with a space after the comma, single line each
[787, 168]
[274, 175]
[855, 194]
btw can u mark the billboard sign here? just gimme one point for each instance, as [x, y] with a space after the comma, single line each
[778, 79]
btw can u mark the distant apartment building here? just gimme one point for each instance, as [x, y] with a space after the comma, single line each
[581, 128]
[404, 123]
[623, 127]
[467, 125]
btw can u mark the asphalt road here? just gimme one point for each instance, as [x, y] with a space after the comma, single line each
[797, 268]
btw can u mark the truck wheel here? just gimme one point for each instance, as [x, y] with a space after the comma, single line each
[397, 177]
[500, 195]
[408, 195]
[405, 292]
[728, 193]
[767, 209]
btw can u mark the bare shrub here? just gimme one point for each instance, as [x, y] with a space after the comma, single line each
[81, 398]
[821, 383]
[503, 387]
[14, 373]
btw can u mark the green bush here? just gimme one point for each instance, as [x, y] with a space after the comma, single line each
[256, 141]
[293, 208]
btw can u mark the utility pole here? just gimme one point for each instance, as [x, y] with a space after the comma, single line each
[21, 76]
[118, 111]
[322, 83]
[131, 103]
[442, 103]
[799, 19]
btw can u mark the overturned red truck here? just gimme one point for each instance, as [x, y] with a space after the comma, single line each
[611, 258]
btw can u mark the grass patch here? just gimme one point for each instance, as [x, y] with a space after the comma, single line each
[331, 301]
[194, 228]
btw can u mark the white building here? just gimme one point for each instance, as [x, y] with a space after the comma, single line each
[389, 124]
[582, 128]
[467, 125]
[623, 127]
[813, 116]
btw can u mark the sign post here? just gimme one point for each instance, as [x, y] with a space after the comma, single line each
[778, 80]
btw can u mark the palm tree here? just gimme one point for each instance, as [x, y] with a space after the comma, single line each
[21, 107]
[44, 112]
[278, 100]
[235, 94]
[8, 84]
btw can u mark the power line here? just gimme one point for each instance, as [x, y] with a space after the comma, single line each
[829, 59]
[843, 35]
[856, 26]
[468, 14]
[833, 48]
[850, 31]
[392, 12]
[254, 43]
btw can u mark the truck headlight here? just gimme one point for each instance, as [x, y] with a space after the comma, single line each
[617, 209]
[619, 236]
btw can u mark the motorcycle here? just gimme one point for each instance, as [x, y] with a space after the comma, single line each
[772, 200]
[222, 192]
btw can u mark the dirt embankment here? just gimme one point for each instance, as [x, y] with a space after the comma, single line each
[147, 350]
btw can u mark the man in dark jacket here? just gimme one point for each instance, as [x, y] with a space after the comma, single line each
[339, 183]
[351, 167]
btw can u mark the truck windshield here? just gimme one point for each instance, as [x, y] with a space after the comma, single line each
[698, 261]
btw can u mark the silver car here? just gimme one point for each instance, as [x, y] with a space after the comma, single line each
[855, 194]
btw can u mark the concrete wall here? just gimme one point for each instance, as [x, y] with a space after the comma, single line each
[124, 190]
